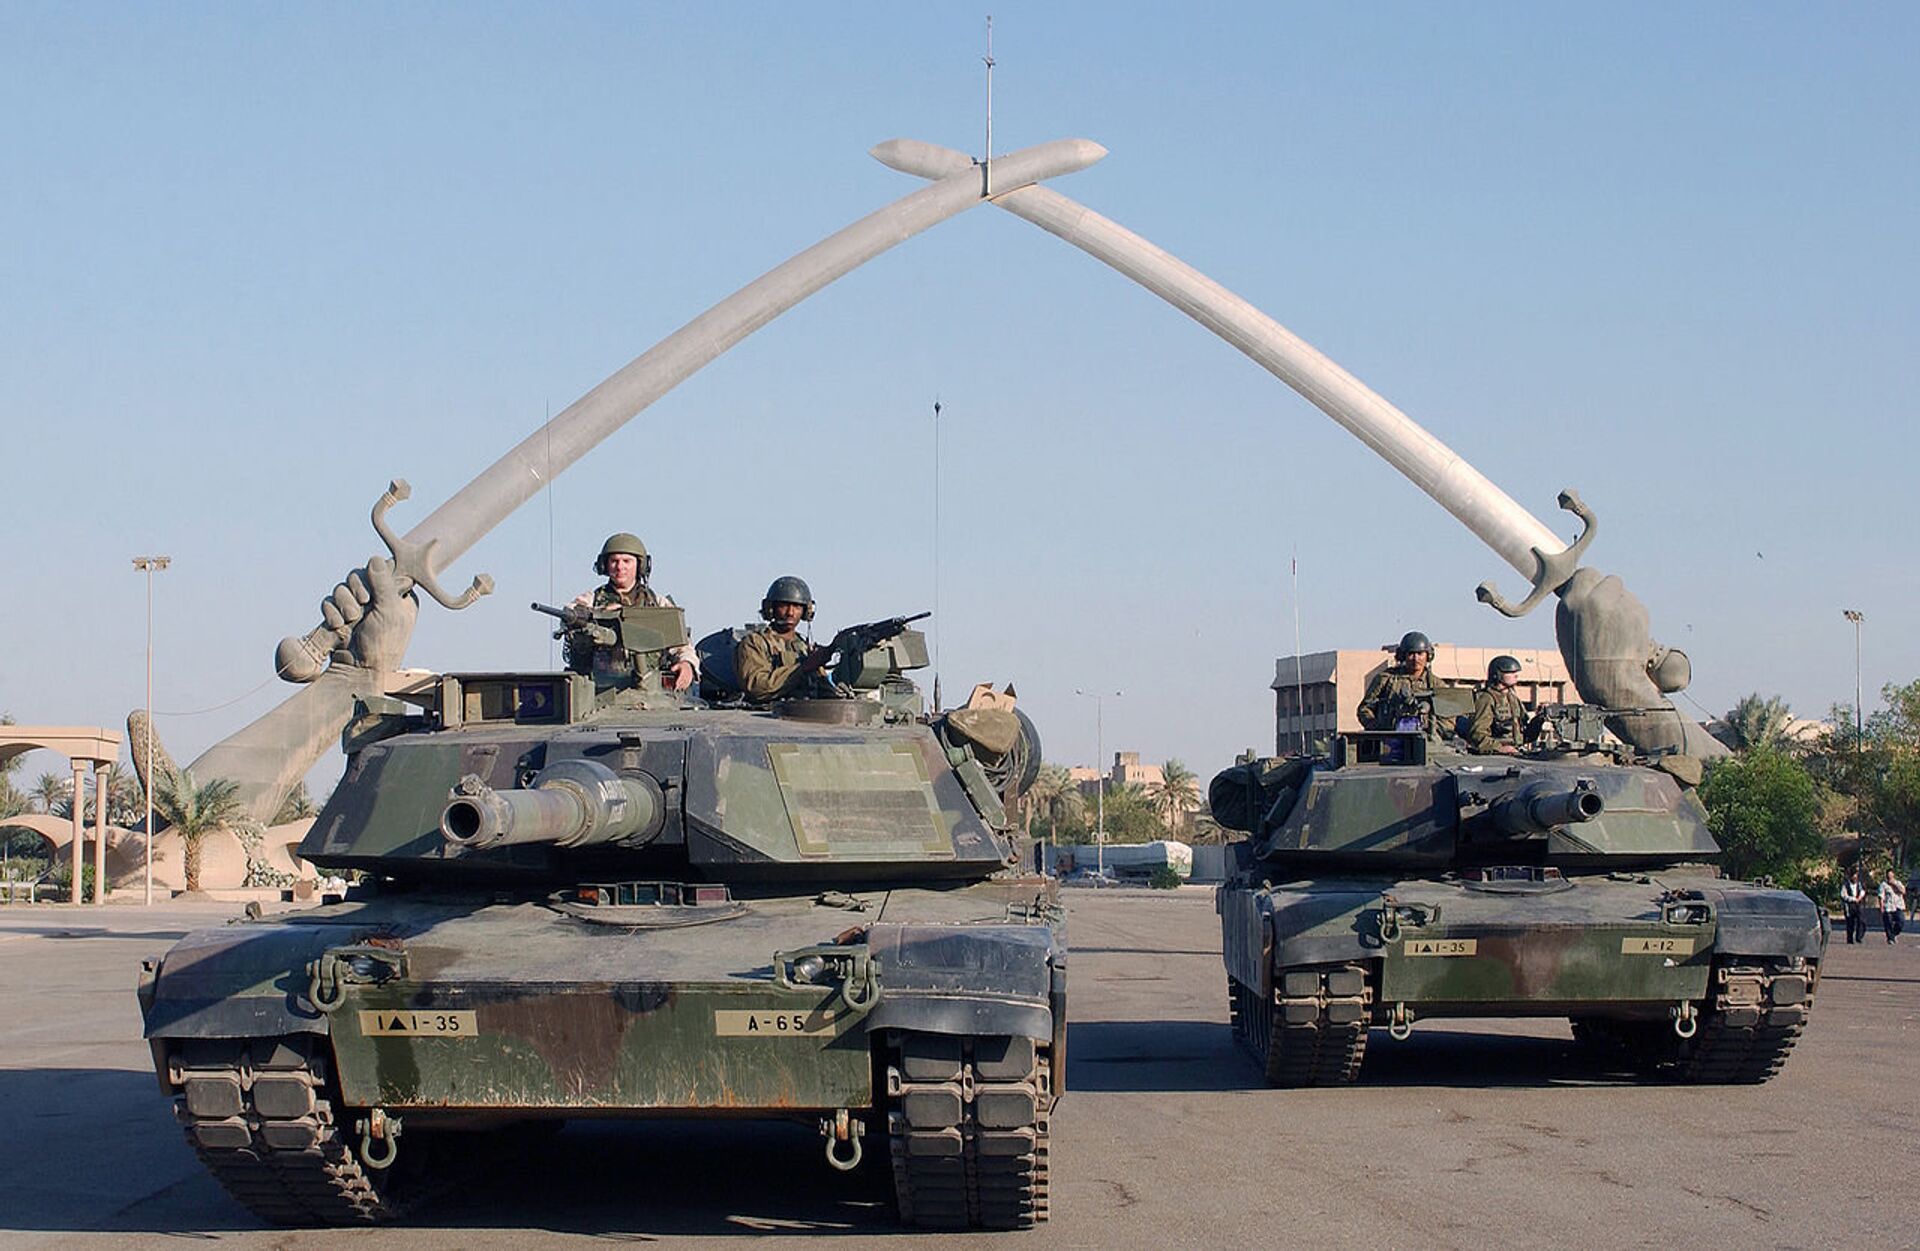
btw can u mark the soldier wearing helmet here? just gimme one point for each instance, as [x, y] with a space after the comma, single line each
[1401, 695]
[624, 563]
[777, 662]
[1499, 719]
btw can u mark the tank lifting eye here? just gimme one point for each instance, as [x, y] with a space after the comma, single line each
[839, 1128]
[1686, 1021]
[378, 1127]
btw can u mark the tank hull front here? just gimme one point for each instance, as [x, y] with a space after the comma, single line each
[930, 1021]
[1335, 956]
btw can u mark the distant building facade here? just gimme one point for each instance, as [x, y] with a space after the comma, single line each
[1316, 695]
[1126, 770]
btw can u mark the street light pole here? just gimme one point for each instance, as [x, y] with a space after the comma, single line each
[149, 565]
[1859, 712]
[1099, 699]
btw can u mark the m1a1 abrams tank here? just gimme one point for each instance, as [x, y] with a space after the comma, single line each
[592, 901]
[1400, 878]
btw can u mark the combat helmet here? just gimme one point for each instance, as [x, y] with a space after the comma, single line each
[787, 589]
[624, 544]
[1413, 641]
[1499, 665]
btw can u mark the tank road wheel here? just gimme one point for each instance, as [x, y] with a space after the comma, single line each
[1757, 1013]
[1313, 1032]
[967, 1122]
[257, 1113]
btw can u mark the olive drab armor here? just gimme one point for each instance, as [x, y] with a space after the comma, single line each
[578, 900]
[1398, 879]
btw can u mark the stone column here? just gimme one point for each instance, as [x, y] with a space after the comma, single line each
[79, 823]
[99, 832]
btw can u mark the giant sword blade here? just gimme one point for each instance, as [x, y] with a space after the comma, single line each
[1602, 629]
[266, 757]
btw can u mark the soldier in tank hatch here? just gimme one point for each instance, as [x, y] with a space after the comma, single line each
[625, 564]
[1499, 718]
[778, 662]
[1404, 691]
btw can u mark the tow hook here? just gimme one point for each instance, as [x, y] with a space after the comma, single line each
[378, 1127]
[1400, 1023]
[842, 1128]
[1686, 1021]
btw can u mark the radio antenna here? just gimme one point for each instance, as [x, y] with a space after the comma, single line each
[987, 164]
[1299, 679]
[936, 553]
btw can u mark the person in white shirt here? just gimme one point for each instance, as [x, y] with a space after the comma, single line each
[1893, 906]
[1853, 900]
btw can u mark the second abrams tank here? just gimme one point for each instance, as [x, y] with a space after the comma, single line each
[580, 900]
[1400, 878]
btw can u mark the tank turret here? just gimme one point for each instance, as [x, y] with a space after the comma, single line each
[1388, 800]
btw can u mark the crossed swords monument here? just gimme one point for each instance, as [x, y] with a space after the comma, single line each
[367, 621]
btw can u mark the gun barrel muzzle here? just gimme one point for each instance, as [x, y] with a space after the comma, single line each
[573, 803]
[1537, 808]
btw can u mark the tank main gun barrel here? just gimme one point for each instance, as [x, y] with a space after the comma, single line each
[1537, 808]
[574, 803]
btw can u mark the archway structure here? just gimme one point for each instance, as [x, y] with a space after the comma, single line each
[87, 747]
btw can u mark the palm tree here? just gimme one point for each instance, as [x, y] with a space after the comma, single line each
[1755, 723]
[194, 810]
[124, 800]
[49, 791]
[1053, 797]
[1175, 796]
[297, 806]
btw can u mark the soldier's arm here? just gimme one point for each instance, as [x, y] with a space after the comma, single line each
[760, 676]
[1480, 729]
[1370, 702]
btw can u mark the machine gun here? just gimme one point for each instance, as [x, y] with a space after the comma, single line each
[855, 639]
[576, 617]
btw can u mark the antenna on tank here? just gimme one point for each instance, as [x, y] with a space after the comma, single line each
[936, 553]
[986, 164]
[1299, 679]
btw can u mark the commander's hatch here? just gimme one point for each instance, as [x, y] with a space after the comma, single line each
[1378, 747]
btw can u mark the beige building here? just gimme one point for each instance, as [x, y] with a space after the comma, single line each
[1315, 695]
[1126, 769]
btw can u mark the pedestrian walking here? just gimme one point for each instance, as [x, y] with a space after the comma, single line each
[1853, 900]
[1893, 906]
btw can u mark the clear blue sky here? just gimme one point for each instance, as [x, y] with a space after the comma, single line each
[259, 259]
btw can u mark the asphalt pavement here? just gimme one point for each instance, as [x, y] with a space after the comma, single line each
[1467, 1134]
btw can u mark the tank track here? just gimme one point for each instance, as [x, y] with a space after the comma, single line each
[1758, 1011]
[1313, 1032]
[967, 1121]
[257, 1114]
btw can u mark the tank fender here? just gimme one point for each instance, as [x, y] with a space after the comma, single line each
[1322, 926]
[966, 979]
[1245, 935]
[1758, 921]
[243, 981]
